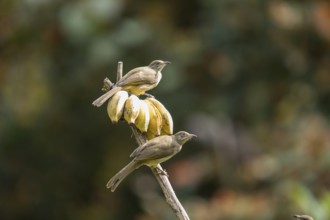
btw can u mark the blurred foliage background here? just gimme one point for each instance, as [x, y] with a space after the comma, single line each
[251, 78]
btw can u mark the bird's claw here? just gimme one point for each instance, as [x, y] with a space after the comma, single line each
[162, 172]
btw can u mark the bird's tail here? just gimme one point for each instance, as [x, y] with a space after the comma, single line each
[116, 179]
[102, 99]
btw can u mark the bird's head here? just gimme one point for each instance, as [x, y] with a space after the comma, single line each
[182, 137]
[303, 217]
[158, 65]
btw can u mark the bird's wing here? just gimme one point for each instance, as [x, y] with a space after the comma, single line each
[148, 144]
[138, 76]
[155, 154]
[154, 149]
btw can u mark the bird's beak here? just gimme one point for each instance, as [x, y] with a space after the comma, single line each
[192, 135]
[167, 62]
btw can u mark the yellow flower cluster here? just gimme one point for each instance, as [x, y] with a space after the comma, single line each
[148, 115]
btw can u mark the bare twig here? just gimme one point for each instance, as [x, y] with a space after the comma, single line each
[119, 70]
[163, 181]
[107, 85]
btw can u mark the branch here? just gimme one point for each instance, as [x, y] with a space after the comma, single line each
[163, 181]
[119, 70]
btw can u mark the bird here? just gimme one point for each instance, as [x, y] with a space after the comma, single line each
[152, 153]
[303, 217]
[137, 81]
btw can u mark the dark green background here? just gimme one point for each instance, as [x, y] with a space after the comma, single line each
[251, 78]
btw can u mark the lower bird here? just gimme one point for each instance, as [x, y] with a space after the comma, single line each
[152, 153]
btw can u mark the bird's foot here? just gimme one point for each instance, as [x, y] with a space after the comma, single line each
[162, 172]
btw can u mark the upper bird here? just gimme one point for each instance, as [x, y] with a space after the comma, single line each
[303, 217]
[137, 81]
